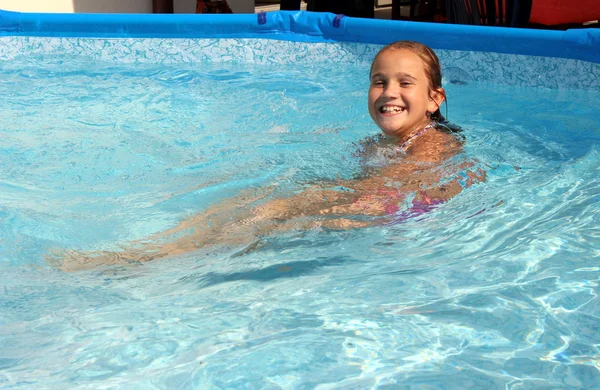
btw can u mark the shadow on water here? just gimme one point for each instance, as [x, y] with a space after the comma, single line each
[290, 269]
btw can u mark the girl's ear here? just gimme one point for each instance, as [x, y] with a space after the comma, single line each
[436, 98]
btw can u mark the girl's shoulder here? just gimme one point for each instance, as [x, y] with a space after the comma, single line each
[437, 146]
[451, 132]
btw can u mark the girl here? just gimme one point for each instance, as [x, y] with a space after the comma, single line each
[404, 100]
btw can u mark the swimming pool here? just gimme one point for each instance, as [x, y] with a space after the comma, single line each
[112, 138]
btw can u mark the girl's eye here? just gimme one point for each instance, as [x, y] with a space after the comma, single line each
[405, 84]
[377, 82]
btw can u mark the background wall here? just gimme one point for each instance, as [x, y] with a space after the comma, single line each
[111, 6]
[37, 5]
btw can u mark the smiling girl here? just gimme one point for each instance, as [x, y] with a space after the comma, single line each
[404, 99]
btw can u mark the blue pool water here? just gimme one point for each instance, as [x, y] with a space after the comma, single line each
[498, 288]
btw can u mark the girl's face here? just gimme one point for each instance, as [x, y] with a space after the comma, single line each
[399, 95]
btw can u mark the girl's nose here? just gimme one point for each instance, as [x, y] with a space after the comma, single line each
[391, 90]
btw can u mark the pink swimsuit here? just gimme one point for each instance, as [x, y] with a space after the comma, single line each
[419, 207]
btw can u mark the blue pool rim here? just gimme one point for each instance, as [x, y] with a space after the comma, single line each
[579, 44]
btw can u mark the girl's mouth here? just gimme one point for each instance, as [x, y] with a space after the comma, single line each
[391, 109]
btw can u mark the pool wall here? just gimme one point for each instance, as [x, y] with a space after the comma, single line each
[518, 57]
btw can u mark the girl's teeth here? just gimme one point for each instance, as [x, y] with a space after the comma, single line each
[389, 109]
